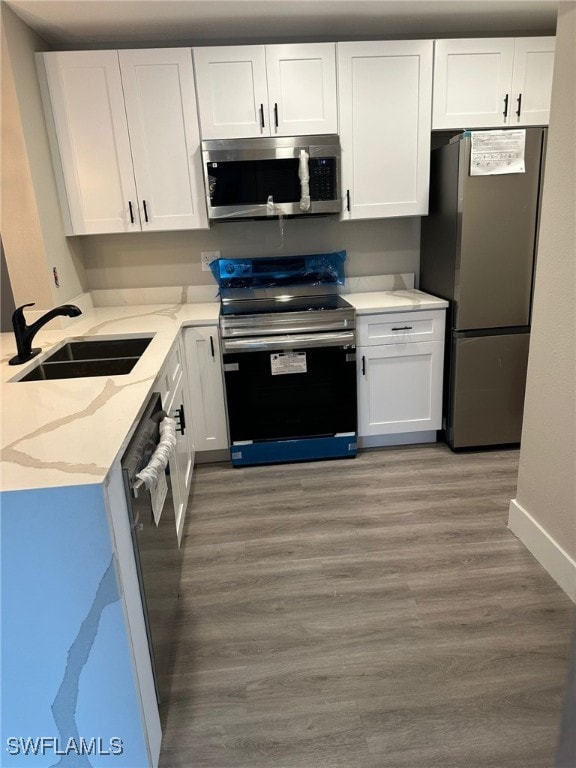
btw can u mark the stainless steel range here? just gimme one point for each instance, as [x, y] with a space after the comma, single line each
[289, 358]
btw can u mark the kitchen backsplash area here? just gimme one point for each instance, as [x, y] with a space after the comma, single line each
[153, 259]
[188, 294]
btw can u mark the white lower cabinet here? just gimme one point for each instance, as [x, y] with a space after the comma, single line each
[173, 387]
[206, 387]
[400, 367]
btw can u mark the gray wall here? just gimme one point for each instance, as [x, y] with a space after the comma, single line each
[546, 480]
[150, 259]
[6, 299]
[32, 230]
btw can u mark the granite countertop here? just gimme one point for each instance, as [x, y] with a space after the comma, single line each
[69, 432]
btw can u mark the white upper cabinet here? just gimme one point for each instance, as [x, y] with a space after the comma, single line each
[125, 139]
[273, 90]
[302, 89]
[385, 95]
[164, 136]
[232, 95]
[532, 80]
[491, 83]
[93, 145]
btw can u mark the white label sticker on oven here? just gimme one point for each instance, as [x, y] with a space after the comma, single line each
[288, 362]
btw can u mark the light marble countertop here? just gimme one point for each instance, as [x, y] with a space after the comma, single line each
[69, 432]
[375, 302]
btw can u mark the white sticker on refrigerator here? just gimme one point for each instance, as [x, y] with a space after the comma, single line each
[497, 152]
[287, 362]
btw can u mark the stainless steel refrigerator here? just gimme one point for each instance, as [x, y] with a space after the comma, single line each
[478, 252]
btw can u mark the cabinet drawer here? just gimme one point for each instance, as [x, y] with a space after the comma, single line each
[400, 327]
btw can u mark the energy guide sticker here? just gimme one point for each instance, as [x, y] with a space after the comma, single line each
[287, 362]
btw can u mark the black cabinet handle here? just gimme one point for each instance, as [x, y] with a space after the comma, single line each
[519, 103]
[347, 199]
[262, 123]
[180, 417]
[506, 105]
[212, 346]
[276, 115]
[403, 328]
[131, 211]
[145, 211]
[363, 366]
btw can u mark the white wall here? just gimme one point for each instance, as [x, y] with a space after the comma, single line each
[165, 259]
[544, 512]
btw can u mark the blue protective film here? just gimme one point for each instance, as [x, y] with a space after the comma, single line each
[267, 272]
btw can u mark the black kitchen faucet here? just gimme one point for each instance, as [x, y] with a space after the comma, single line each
[25, 333]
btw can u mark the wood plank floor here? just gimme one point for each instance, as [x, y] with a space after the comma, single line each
[365, 613]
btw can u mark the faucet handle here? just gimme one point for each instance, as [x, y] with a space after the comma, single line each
[18, 314]
[20, 310]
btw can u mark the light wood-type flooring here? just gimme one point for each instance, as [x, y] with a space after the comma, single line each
[364, 613]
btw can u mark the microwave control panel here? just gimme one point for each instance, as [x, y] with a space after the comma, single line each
[322, 171]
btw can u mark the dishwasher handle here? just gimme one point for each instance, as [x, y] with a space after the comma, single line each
[148, 476]
[290, 341]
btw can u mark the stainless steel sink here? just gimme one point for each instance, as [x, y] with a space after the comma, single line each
[91, 357]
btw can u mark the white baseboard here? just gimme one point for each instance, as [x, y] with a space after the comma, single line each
[559, 564]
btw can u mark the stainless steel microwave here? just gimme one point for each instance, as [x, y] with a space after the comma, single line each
[268, 177]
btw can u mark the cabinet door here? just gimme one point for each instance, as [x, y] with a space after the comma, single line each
[532, 80]
[472, 82]
[173, 387]
[182, 462]
[89, 121]
[384, 115]
[232, 93]
[162, 120]
[400, 388]
[204, 364]
[302, 89]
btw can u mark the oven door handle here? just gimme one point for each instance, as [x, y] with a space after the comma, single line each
[292, 341]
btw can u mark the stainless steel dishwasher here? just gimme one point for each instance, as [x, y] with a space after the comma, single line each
[158, 557]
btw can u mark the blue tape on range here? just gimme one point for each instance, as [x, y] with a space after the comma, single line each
[305, 449]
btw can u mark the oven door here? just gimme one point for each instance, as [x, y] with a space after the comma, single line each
[290, 387]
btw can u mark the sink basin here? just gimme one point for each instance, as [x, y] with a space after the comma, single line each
[99, 349]
[81, 369]
[90, 357]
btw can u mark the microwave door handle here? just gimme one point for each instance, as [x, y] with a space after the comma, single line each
[304, 176]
